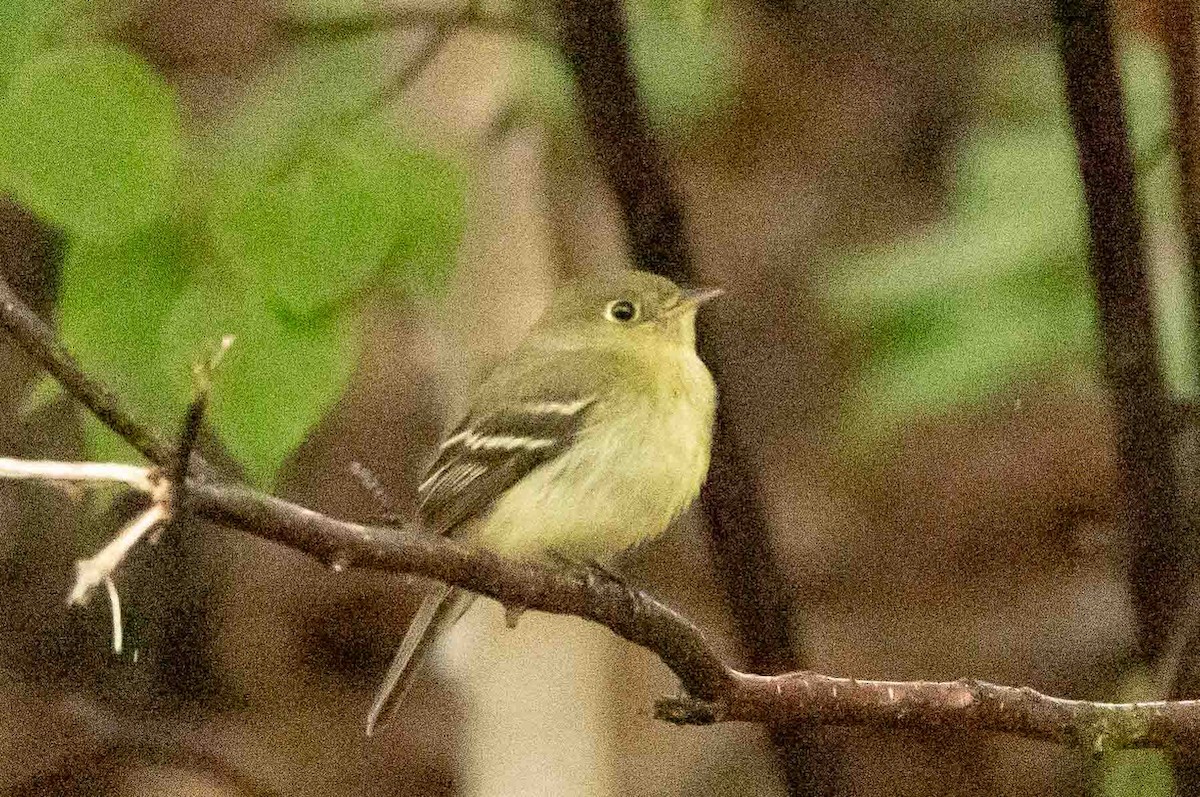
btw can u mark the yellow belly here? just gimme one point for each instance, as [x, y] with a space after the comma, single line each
[628, 474]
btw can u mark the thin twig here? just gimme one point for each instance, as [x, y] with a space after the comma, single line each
[193, 419]
[114, 603]
[367, 22]
[40, 343]
[91, 572]
[135, 476]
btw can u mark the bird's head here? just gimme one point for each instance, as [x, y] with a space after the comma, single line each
[623, 309]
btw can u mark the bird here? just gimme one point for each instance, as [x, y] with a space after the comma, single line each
[590, 438]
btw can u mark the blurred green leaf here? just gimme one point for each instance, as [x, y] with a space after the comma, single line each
[45, 391]
[1146, 80]
[963, 350]
[999, 290]
[1176, 314]
[293, 111]
[548, 84]
[329, 9]
[1022, 84]
[683, 61]
[113, 300]
[694, 14]
[90, 137]
[1136, 773]
[278, 379]
[682, 58]
[1021, 177]
[26, 28]
[319, 235]
[429, 195]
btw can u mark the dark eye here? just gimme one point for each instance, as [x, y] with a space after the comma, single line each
[621, 310]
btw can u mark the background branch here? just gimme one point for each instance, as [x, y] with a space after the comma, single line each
[1159, 572]
[594, 38]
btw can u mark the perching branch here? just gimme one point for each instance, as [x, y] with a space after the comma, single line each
[959, 705]
[719, 693]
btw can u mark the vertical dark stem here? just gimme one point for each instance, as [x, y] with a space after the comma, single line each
[1178, 25]
[1158, 573]
[593, 37]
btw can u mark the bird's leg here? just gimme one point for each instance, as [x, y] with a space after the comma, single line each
[512, 614]
[369, 481]
[610, 573]
[588, 569]
[564, 560]
[632, 593]
[594, 572]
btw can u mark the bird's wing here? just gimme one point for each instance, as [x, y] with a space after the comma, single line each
[487, 453]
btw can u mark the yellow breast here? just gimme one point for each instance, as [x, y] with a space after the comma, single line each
[638, 462]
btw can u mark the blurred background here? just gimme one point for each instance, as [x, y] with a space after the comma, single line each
[376, 200]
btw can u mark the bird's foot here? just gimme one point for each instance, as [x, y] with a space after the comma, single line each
[595, 574]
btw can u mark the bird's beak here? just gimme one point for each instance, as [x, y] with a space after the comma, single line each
[694, 297]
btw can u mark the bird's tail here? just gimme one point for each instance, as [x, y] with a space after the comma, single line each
[441, 609]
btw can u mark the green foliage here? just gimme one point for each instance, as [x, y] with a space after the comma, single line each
[682, 58]
[279, 377]
[26, 28]
[316, 237]
[113, 300]
[329, 9]
[1136, 773]
[999, 290]
[45, 391]
[90, 139]
[273, 228]
[293, 110]
[683, 61]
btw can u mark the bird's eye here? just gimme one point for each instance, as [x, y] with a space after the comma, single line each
[621, 310]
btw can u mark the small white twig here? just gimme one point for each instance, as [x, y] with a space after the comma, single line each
[202, 372]
[137, 477]
[114, 602]
[91, 572]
